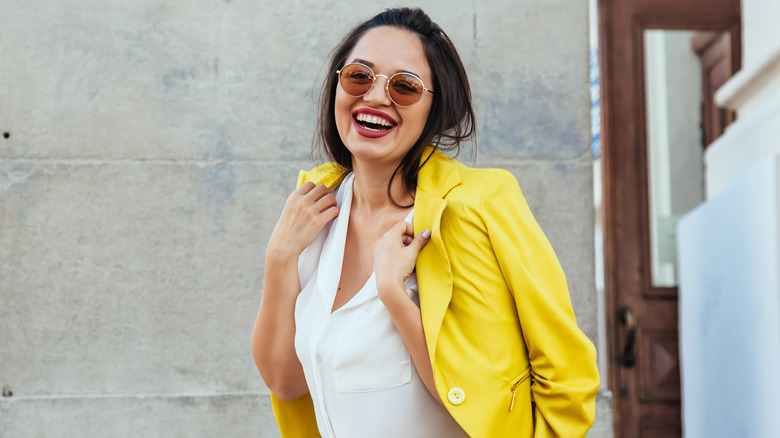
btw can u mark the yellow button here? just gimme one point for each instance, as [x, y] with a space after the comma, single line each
[456, 396]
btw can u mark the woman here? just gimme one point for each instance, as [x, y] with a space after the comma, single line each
[489, 347]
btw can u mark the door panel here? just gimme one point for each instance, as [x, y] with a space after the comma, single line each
[659, 366]
[646, 390]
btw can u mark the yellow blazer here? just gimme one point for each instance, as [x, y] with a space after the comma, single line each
[508, 358]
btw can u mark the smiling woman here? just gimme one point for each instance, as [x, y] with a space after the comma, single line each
[404, 293]
[390, 51]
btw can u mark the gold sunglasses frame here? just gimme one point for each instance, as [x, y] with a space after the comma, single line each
[387, 82]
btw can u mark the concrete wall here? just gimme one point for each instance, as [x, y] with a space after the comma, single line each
[150, 146]
[760, 36]
[754, 93]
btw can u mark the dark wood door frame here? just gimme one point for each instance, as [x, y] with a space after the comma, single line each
[714, 52]
[628, 279]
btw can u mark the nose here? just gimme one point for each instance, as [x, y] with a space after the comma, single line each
[378, 92]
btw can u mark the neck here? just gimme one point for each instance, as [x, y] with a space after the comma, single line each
[369, 189]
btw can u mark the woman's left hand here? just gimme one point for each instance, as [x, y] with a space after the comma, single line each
[394, 257]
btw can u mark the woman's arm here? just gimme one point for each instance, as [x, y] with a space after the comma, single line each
[274, 332]
[308, 209]
[394, 258]
[563, 360]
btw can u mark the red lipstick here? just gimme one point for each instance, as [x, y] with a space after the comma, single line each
[368, 132]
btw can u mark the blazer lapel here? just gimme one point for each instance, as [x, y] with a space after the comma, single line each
[435, 179]
[434, 274]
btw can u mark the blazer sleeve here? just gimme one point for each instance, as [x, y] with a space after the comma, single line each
[295, 418]
[563, 360]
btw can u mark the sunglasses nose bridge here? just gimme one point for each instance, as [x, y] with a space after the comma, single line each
[385, 89]
[387, 80]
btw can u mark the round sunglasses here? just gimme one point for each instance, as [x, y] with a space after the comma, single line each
[404, 88]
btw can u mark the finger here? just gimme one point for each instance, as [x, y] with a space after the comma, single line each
[329, 214]
[305, 188]
[317, 192]
[420, 240]
[396, 231]
[408, 229]
[324, 203]
[320, 220]
[407, 239]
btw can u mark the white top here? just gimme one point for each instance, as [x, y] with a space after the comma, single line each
[360, 375]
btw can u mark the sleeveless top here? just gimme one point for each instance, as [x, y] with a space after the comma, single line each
[359, 372]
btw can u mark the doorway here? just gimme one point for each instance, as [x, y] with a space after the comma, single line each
[650, 137]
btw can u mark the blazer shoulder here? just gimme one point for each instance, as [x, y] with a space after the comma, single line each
[483, 174]
[331, 174]
[476, 181]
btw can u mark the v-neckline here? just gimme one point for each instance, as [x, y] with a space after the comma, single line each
[333, 252]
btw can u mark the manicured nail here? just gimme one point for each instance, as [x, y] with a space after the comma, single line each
[426, 234]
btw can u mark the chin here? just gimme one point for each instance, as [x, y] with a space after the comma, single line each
[375, 153]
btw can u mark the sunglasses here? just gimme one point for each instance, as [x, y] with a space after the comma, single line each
[404, 88]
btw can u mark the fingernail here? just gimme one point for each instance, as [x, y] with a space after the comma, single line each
[426, 234]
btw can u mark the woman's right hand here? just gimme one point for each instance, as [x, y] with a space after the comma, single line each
[307, 210]
[305, 213]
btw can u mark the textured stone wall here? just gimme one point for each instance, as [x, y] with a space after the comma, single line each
[150, 146]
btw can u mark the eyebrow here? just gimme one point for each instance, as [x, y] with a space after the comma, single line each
[363, 61]
[372, 65]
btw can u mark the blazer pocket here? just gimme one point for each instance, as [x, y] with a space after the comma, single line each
[371, 356]
[517, 385]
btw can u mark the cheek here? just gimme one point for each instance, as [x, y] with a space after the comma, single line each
[420, 118]
[342, 111]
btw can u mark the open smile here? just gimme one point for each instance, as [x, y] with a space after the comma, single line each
[372, 123]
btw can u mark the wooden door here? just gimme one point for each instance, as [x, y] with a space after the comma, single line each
[642, 318]
[714, 52]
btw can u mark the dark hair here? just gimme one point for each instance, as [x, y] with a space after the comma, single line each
[451, 118]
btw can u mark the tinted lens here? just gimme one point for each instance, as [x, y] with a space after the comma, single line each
[405, 89]
[356, 79]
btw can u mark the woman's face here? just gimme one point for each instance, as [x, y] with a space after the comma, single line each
[387, 50]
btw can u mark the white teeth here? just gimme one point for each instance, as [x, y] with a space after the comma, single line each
[362, 117]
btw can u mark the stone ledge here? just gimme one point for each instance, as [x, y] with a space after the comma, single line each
[134, 415]
[602, 425]
[140, 396]
[748, 83]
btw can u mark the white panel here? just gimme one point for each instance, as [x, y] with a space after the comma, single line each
[730, 310]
